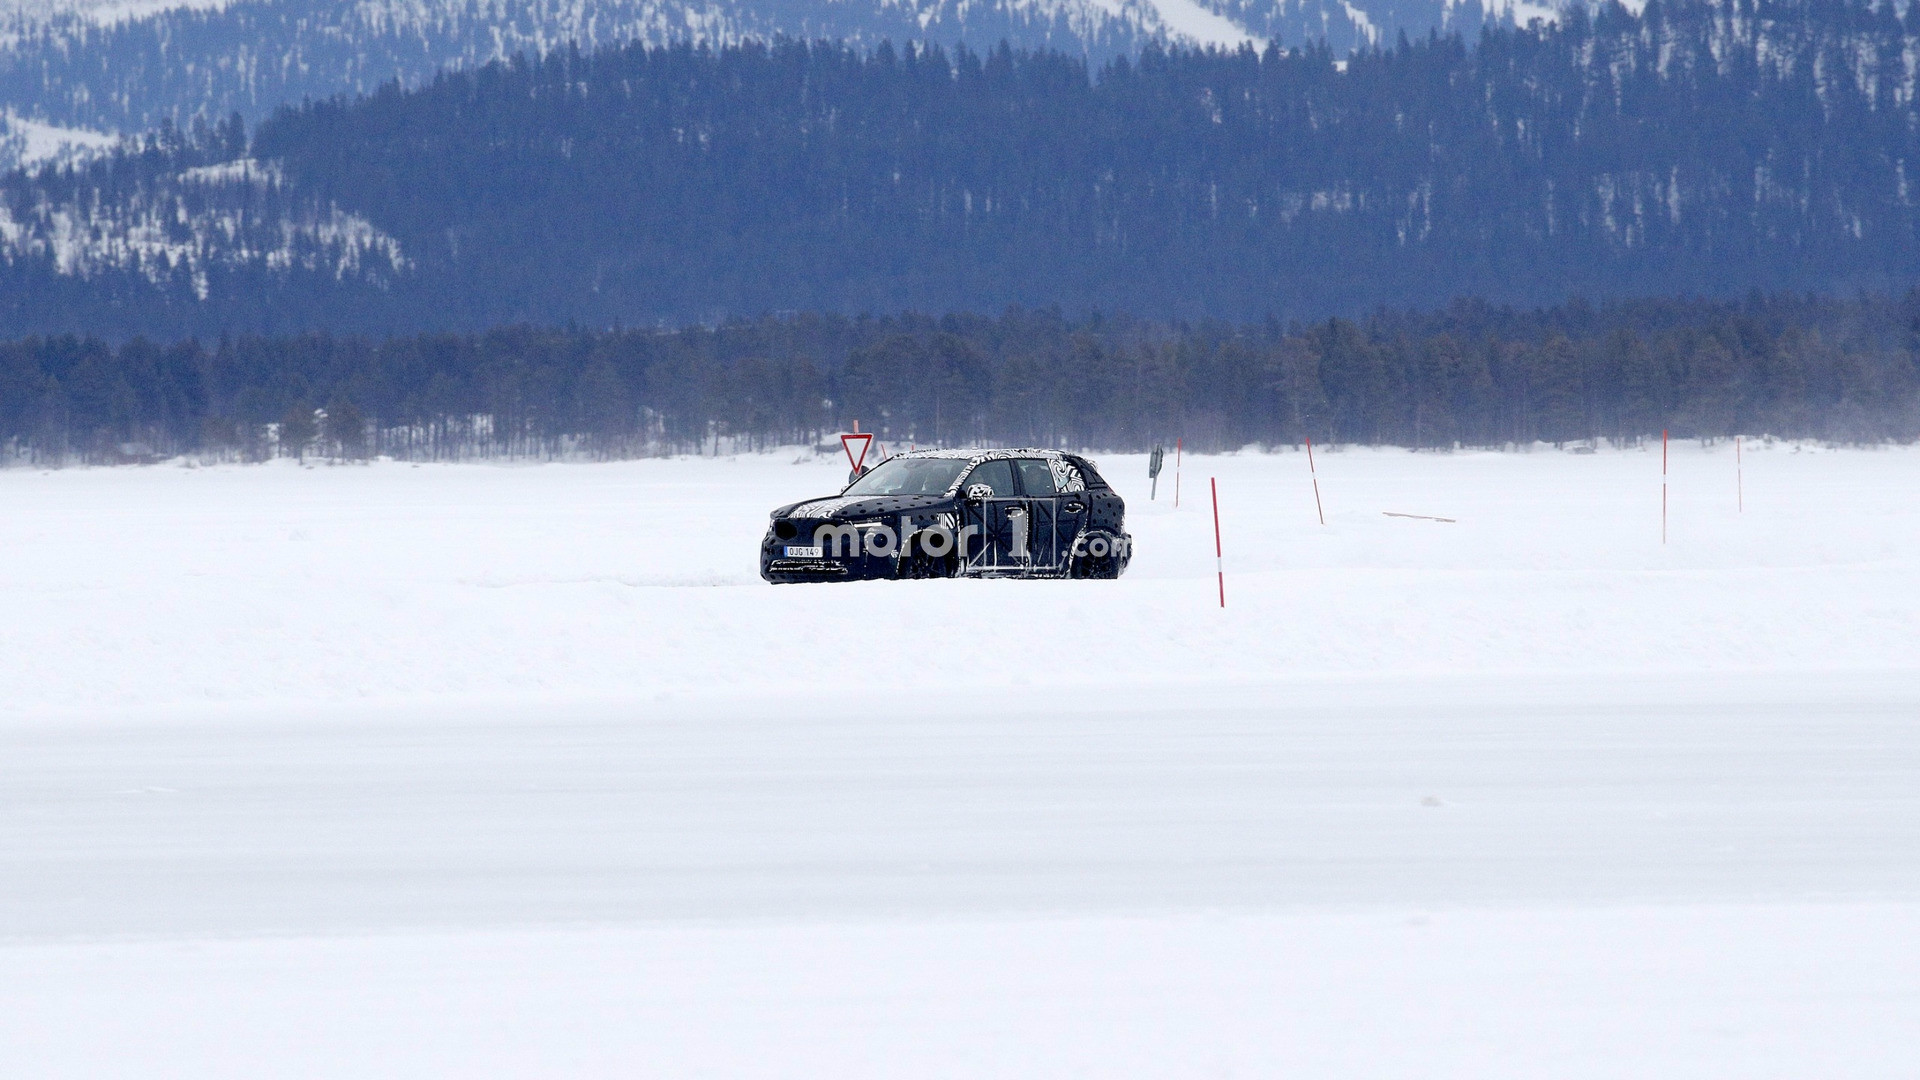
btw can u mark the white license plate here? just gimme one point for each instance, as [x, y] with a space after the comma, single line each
[796, 551]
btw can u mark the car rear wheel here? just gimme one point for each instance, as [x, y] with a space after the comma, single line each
[1096, 556]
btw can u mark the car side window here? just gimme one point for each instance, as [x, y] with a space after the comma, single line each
[997, 475]
[1036, 477]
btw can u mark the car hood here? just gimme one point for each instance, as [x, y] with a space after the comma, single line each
[843, 508]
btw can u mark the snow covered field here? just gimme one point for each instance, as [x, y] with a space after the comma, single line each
[521, 770]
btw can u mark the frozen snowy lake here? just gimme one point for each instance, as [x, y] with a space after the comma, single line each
[520, 770]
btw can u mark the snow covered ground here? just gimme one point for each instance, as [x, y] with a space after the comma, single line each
[520, 770]
[27, 143]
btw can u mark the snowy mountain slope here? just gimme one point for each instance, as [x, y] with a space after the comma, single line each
[180, 227]
[109, 68]
[1761, 151]
[25, 142]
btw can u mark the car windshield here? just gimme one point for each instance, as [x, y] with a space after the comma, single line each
[909, 476]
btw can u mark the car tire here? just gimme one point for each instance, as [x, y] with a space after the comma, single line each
[922, 565]
[1087, 566]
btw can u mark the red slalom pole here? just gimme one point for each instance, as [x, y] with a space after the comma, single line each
[1739, 477]
[1663, 485]
[1219, 561]
[1315, 473]
[1176, 474]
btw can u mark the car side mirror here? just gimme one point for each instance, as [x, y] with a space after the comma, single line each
[978, 492]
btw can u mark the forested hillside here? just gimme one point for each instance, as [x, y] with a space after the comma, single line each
[1691, 149]
[205, 61]
[1471, 375]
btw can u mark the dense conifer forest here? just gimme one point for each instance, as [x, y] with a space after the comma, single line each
[1694, 148]
[1471, 375]
[250, 56]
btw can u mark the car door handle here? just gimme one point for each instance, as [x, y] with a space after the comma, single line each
[1074, 507]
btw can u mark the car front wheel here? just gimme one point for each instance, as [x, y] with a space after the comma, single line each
[922, 565]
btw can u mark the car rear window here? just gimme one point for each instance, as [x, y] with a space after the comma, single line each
[1087, 470]
[1036, 477]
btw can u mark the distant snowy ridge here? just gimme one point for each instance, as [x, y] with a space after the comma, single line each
[410, 193]
[103, 12]
[124, 67]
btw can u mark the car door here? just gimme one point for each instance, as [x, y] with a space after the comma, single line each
[1055, 517]
[998, 518]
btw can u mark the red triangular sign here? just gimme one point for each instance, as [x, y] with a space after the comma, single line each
[847, 443]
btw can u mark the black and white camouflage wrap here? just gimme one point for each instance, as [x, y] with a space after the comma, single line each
[1078, 488]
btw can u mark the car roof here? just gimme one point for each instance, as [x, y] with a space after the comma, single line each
[973, 454]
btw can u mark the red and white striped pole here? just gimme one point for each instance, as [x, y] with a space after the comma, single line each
[1315, 473]
[1219, 561]
[1739, 477]
[1176, 474]
[1663, 485]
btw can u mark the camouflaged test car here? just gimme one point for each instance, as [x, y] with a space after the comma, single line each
[955, 513]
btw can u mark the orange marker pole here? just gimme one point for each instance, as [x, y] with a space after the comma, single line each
[1663, 485]
[1315, 473]
[1219, 562]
